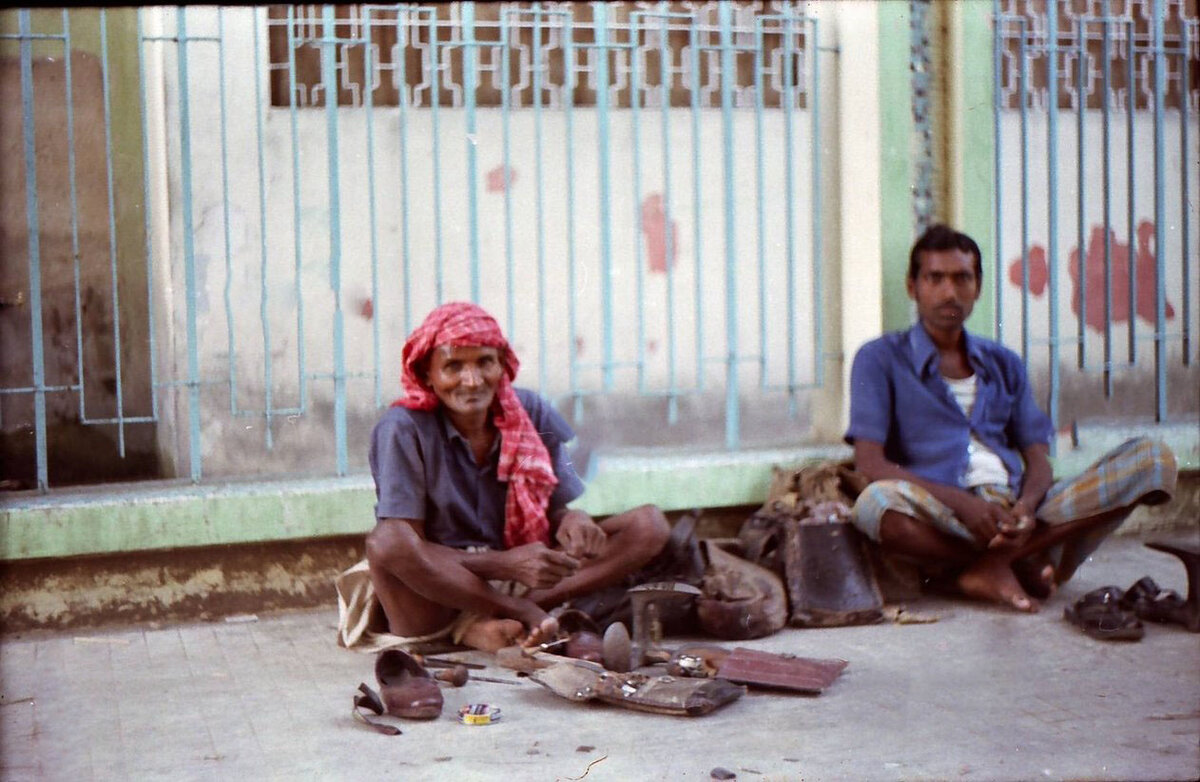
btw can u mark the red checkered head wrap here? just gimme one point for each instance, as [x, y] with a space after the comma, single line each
[524, 461]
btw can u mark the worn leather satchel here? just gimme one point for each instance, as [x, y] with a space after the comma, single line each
[804, 533]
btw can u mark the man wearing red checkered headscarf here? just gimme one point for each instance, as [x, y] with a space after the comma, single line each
[473, 535]
[524, 460]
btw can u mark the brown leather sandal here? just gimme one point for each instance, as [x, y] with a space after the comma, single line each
[405, 687]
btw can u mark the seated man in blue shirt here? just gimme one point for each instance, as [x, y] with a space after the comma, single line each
[944, 424]
[473, 536]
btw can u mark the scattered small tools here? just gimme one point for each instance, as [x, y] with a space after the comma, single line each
[494, 680]
[441, 662]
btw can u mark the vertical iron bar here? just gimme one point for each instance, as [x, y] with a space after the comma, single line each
[813, 95]
[402, 35]
[435, 79]
[1185, 203]
[1160, 232]
[997, 168]
[329, 46]
[470, 59]
[668, 230]
[697, 243]
[112, 230]
[1052, 206]
[369, 108]
[1081, 188]
[69, 92]
[539, 194]
[1024, 102]
[788, 101]
[1106, 185]
[264, 289]
[35, 250]
[146, 215]
[230, 326]
[569, 119]
[189, 250]
[635, 81]
[761, 211]
[728, 74]
[510, 279]
[600, 20]
[301, 350]
[1130, 215]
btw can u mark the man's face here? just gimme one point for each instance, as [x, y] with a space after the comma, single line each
[465, 378]
[945, 289]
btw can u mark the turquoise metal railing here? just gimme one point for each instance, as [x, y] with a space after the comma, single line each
[1073, 57]
[289, 204]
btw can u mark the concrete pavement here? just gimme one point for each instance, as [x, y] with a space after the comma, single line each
[984, 694]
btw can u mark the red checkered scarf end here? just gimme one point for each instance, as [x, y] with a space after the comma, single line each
[524, 460]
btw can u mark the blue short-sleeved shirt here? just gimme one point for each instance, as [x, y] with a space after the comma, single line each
[898, 398]
[424, 469]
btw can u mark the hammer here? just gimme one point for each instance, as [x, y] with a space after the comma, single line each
[455, 677]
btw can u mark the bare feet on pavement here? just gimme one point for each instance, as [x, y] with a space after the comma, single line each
[993, 579]
[1036, 574]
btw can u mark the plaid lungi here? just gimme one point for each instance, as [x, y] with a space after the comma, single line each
[1140, 470]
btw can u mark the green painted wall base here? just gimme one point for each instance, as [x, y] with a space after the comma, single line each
[137, 517]
[682, 482]
[144, 517]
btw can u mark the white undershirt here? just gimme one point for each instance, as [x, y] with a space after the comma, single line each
[983, 465]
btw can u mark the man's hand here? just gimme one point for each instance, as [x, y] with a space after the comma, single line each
[993, 524]
[579, 536]
[1017, 531]
[537, 566]
[985, 520]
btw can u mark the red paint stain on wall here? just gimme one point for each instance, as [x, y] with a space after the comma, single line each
[1093, 270]
[654, 226]
[366, 308]
[579, 346]
[496, 180]
[1038, 270]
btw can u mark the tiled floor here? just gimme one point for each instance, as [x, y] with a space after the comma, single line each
[982, 694]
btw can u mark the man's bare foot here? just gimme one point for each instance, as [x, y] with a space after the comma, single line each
[992, 579]
[1036, 574]
[490, 634]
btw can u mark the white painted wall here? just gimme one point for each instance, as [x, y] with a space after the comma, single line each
[250, 278]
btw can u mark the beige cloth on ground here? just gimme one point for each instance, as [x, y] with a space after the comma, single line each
[363, 627]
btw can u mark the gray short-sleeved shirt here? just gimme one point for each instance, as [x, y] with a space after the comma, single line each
[424, 469]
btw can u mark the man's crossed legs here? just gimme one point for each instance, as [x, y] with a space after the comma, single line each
[1073, 519]
[427, 589]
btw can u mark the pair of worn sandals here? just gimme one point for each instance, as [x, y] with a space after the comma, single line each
[1114, 614]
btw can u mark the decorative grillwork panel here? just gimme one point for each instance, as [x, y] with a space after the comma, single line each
[1103, 46]
[541, 53]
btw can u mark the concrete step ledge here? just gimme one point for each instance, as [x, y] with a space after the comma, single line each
[117, 518]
